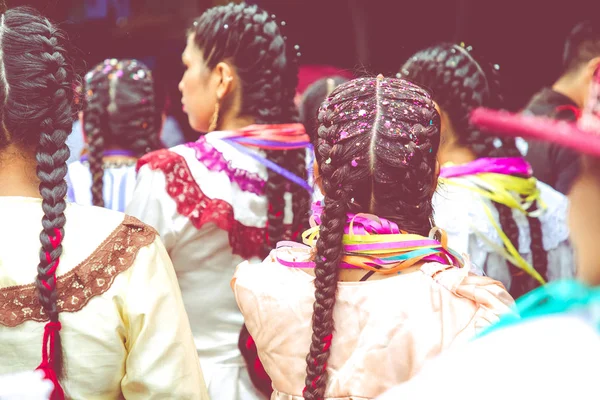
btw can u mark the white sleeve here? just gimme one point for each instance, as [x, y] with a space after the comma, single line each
[152, 204]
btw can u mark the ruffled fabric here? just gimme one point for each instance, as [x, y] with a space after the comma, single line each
[461, 213]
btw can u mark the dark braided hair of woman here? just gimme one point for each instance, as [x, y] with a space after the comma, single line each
[459, 84]
[121, 111]
[376, 150]
[37, 96]
[252, 41]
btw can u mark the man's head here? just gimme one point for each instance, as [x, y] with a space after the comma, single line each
[581, 56]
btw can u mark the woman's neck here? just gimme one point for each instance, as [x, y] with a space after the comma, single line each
[456, 154]
[232, 124]
[17, 173]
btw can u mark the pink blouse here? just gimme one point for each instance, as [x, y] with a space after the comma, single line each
[385, 330]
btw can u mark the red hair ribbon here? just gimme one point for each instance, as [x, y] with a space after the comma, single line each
[327, 341]
[55, 242]
[48, 351]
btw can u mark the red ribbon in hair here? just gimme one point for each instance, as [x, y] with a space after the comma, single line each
[48, 350]
[51, 329]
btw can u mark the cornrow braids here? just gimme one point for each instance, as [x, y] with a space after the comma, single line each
[459, 84]
[314, 95]
[37, 111]
[121, 110]
[250, 39]
[376, 149]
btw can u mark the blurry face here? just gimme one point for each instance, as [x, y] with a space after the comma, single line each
[584, 221]
[198, 87]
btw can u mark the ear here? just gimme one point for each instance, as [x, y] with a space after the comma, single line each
[227, 79]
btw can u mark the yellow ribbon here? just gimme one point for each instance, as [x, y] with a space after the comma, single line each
[512, 191]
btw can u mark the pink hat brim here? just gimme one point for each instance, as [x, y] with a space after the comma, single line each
[563, 133]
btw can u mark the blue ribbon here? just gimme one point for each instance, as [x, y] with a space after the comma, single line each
[271, 165]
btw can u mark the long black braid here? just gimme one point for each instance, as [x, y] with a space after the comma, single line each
[252, 41]
[376, 150]
[459, 84]
[121, 110]
[37, 89]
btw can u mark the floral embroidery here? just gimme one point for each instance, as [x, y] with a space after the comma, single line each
[214, 161]
[91, 278]
[192, 203]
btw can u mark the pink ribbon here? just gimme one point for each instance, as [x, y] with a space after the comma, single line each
[502, 165]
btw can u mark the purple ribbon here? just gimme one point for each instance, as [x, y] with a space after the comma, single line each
[108, 153]
[504, 166]
[272, 166]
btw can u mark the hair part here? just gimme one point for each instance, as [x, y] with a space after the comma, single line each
[121, 110]
[376, 149]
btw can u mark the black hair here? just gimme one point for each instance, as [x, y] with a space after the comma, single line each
[312, 99]
[376, 150]
[266, 63]
[582, 45]
[121, 110]
[250, 39]
[459, 84]
[37, 91]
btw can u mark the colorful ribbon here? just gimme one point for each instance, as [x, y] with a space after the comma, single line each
[269, 137]
[506, 181]
[376, 244]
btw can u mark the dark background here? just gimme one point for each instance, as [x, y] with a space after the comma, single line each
[375, 36]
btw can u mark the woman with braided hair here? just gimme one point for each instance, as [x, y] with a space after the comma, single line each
[235, 192]
[122, 119]
[512, 226]
[375, 297]
[92, 288]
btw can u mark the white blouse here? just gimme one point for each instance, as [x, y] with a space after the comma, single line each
[119, 183]
[461, 213]
[125, 333]
[206, 201]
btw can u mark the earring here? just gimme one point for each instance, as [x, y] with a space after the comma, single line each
[215, 117]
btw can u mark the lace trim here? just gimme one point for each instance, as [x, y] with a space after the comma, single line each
[192, 203]
[214, 160]
[91, 278]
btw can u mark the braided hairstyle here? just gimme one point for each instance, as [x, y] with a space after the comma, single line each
[376, 150]
[121, 110]
[36, 86]
[251, 40]
[460, 84]
[312, 99]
